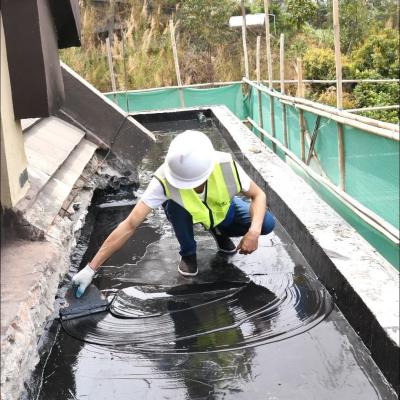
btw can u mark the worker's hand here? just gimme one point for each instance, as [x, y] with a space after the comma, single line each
[82, 280]
[249, 243]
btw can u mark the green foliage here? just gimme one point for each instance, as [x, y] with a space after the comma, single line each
[354, 23]
[329, 97]
[319, 37]
[319, 63]
[278, 17]
[209, 51]
[377, 94]
[205, 21]
[300, 11]
[377, 58]
[379, 55]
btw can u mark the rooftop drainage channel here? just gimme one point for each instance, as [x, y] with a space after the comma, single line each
[258, 326]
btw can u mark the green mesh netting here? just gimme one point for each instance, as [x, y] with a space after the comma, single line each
[371, 162]
[163, 99]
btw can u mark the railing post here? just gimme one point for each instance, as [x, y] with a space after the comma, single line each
[244, 39]
[300, 86]
[268, 43]
[302, 133]
[282, 62]
[341, 162]
[282, 79]
[110, 67]
[338, 60]
[258, 71]
[176, 62]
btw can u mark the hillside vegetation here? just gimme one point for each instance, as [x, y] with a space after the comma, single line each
[209, 51]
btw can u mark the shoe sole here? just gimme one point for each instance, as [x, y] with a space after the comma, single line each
[188, 273]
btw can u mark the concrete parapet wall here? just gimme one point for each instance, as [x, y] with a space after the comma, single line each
[102, 119]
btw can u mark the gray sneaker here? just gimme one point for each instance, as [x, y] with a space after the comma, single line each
[224, 243]
[188, 265]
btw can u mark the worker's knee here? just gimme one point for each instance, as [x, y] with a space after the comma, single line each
[268, 223]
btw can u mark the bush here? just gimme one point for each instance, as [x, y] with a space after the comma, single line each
[379, 54]
[319, 63]
[329, 97]
[377, 58]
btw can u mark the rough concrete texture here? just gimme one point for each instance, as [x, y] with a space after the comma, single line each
[57, 154]
[31, 272]
[365, 285]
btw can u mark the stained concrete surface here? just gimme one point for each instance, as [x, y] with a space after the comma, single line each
[325, 361]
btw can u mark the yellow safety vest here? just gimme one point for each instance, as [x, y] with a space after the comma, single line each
[222, 184]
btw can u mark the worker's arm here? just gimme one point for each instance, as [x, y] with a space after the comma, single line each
[249, 242]
[114, 242]
[120, 234]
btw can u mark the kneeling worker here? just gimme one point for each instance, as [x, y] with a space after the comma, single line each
[196, 184]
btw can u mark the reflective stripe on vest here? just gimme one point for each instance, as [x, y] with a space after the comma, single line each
[222, 184]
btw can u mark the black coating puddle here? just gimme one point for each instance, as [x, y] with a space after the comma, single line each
[247, 327]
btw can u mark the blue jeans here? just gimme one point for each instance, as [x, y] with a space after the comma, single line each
[236, 223]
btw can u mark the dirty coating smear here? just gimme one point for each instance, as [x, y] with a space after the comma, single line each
[246, 327]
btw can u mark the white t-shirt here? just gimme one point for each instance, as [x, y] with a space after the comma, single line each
[154, 194]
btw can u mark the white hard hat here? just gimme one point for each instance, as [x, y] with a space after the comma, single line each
[190, 160]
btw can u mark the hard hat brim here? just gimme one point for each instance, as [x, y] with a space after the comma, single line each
[187, 184]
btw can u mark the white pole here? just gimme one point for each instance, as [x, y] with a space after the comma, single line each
[300, 86]
[110, 66]
[268, 43]
[338, 60]
[282, 62]
[258, 47]
[175, 54]
[244, 39]
[258, 72]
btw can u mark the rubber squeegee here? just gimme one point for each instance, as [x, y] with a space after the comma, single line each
[91, 302]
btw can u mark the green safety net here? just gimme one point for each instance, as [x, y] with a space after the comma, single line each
[371, 165]
[371, 162]
[169, 98]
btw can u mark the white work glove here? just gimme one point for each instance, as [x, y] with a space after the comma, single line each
[82, 280]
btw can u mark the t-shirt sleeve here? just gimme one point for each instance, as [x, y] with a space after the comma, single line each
[245, 180]
[154, 195]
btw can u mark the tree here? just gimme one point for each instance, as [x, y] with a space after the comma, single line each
[379, 54]
[300, 11]
[354, 21]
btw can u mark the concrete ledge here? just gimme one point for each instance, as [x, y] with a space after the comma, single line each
[30, 273]
[365, 286]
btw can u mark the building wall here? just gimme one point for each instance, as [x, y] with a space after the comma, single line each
[14, 182]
